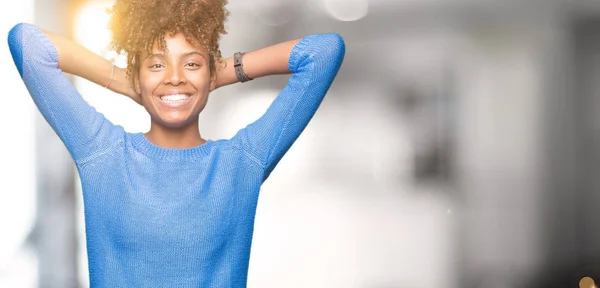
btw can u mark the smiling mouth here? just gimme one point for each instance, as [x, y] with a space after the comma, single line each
[174, 97]
[174, 100]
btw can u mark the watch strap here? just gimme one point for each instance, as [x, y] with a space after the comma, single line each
[238, 65]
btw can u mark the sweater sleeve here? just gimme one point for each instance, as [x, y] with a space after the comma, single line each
[81, 128]
[314, 62]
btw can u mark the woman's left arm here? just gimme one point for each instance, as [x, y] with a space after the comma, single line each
[267, 61]
[315, 61]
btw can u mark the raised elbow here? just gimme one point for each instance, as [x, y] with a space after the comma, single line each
[333, 50]
[318, 50]
[337, 43]
[15, 44]
[335, 46]
[16, 35]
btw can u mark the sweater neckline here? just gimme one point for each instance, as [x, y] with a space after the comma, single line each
[142, 143]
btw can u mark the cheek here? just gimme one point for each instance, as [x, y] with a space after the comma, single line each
[148, 84]
[200, 80]
[146, 88]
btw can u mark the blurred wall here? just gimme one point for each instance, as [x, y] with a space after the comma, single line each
[54, 233]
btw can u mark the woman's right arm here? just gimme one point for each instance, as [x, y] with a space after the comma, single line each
[79, 61]
[83, 130]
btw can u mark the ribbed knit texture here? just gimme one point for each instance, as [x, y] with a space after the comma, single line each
[159, 217]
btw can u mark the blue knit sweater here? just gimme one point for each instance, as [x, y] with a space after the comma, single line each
[159, 217]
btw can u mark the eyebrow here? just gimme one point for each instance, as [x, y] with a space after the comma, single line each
[184, 55]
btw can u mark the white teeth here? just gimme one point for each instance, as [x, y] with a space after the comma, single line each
[176, 97]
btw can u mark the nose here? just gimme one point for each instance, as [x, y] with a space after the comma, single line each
[174, 75]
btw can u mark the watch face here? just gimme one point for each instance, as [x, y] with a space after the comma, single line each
[237, 58]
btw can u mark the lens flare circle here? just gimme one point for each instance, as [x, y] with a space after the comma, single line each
[347, 10]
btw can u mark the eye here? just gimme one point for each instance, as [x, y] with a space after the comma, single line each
[192, 64]
[155, 66]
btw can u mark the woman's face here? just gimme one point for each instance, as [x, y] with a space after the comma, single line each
[174, 84]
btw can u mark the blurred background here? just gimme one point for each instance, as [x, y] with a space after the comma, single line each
[456, 148]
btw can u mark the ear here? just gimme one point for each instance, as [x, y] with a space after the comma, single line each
[136, 75]
[136, 83]
[213, 80]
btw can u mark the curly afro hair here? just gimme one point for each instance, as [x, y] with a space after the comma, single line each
[137, 24]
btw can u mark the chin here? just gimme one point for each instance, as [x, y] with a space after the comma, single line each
[171, 119]
[175, 123]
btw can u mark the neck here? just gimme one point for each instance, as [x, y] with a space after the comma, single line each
[180, 137]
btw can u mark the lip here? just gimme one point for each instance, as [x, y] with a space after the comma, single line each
[177, 105]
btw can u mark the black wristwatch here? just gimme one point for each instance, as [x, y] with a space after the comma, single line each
[239, 67]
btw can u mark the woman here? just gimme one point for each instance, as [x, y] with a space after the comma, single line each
[168, 208]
